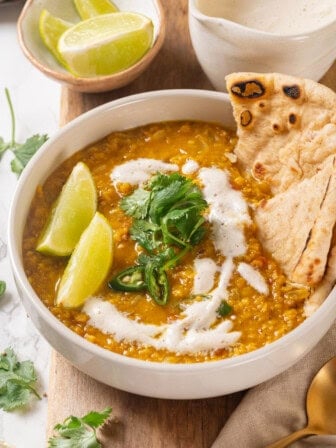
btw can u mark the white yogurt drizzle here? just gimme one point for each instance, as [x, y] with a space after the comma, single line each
[205, 271]
[190, 167]
[191, 334]
[196, 331]
[136, 172]
[228, 212]
[253, 278]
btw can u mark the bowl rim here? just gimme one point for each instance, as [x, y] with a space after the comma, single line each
[254, 31]
[90, 82]
[14, 248]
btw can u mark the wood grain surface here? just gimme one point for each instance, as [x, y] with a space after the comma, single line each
[140, 422]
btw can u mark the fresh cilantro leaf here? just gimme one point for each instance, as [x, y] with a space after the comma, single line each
[17, 380]
[181, 226]
[23, 153]
[3, 146]
[2, 287]
[167, 222]
[12, 114]
[158, 260]
[160, 181]
[174, 192]
[8, 358]
[164, 199]
[136, 205]
[146, 234]
[224, 309]
[79, 432]
[96, 419]
[16, 396]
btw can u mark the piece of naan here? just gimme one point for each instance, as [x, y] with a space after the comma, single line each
[287, 137]
[286, 126]
[328, 282]
[296, 226]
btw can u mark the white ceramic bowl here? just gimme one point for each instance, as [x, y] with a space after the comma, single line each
[224, 47]
[177, 381]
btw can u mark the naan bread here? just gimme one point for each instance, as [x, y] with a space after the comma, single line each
[287, 137]
[296, 226]
[326, 285]
[286, 126]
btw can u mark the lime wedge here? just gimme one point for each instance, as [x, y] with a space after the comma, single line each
[71, 213]
[88, 265]
[106, 44]
[91, 8]
[51, 29]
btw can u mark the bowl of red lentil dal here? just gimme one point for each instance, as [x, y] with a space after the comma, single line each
[191, 340]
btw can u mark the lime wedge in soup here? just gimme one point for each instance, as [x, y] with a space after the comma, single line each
[71, 214]
[91, 8]
[88, 265]
[106, 44]
[51, 29]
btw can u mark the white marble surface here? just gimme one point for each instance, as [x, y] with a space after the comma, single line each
[36, 103]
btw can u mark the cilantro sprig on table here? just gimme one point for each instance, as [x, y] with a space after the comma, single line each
[2, 287]
[23, 152]
[167, 223]
[17, 381]
[79, 432]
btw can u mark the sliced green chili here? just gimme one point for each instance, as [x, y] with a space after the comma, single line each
[157, 284]
[131, 279]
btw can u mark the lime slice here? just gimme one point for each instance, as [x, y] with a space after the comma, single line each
[106, 44]
[71, 213]
[91, 8]
[88, 265]
[51, 29]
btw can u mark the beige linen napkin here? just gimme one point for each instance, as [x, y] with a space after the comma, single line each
[276, 408]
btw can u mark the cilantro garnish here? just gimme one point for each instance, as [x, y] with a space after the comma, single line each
[79, 432]
[224, 308]
[167, 223]
[2, 287]
[23, 152]
[17, 380]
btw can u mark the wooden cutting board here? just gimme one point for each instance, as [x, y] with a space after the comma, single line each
[141, 422]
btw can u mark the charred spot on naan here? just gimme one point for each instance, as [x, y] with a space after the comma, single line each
[246, 118]
[292, 118]
[259, 171]
[293, 91]
[248, 89]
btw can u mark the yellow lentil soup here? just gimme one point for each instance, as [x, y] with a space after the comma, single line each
[259, 317]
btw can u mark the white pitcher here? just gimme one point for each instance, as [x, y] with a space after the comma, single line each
[224, 46]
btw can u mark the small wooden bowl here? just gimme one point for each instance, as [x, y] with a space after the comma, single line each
[38, 54]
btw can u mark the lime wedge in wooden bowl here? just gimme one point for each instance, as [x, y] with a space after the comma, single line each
[51, 29]
[106, 43]
[91, 8]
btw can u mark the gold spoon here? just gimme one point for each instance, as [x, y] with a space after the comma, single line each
[320, 405]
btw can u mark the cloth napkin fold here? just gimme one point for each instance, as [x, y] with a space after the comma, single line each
[276, 408]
